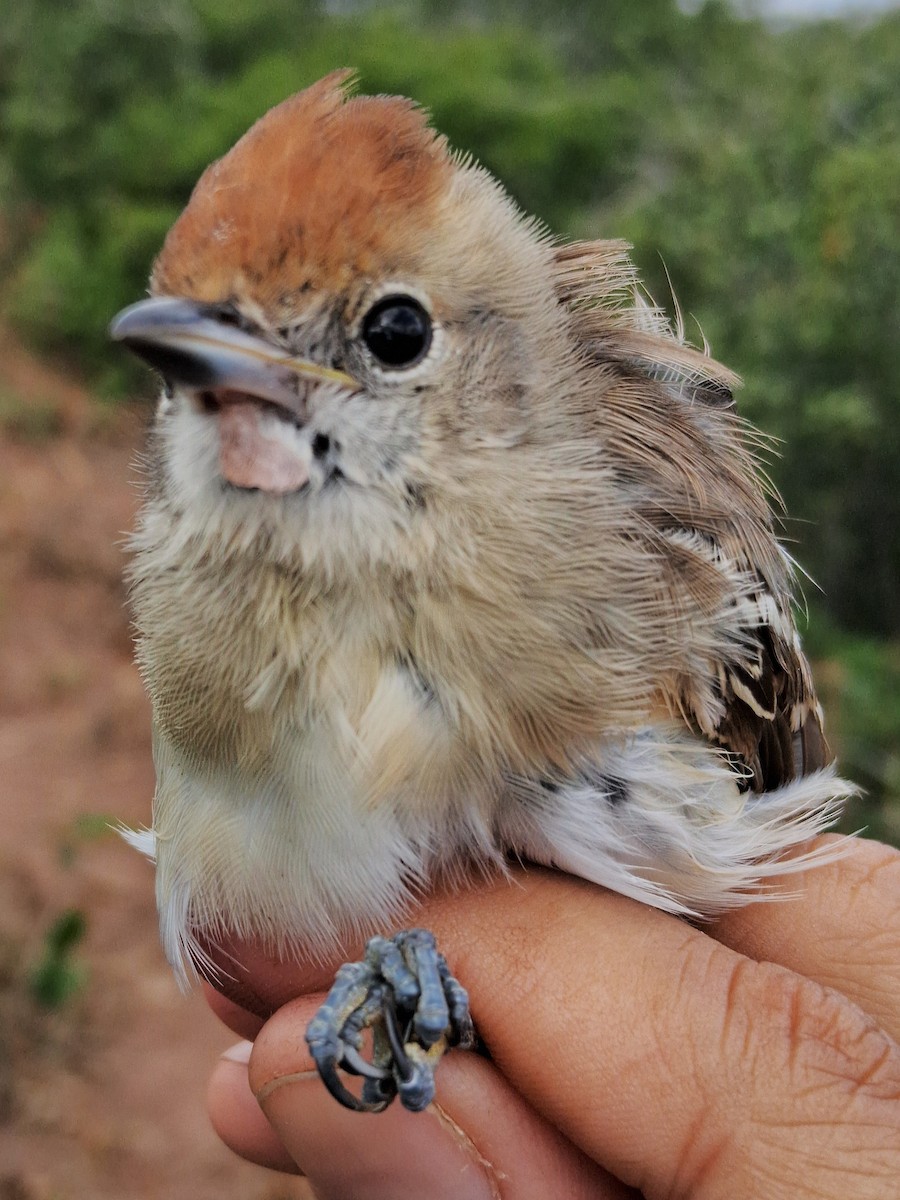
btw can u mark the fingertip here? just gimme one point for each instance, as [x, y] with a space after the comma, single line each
[238, 1119]
[395, 1155]
[280, 1048]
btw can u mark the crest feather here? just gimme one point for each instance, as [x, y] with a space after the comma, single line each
[324, 188]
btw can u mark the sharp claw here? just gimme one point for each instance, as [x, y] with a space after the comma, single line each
[417, 1092]
[404, 992]
[378, 1093]
[403, 1065]
[353, 1061]
[327, 1068]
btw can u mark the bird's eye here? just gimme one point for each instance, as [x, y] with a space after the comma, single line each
[397, 330]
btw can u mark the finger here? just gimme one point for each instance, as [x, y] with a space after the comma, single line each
[667, 1057]
[680, 1065]
[479, 1141]
[237, 1118]
[245, 1024]
[842, 929]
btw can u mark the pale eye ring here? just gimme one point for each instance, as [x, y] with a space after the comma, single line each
[397, 331]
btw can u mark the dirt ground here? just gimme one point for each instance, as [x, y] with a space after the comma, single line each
[102, 1093]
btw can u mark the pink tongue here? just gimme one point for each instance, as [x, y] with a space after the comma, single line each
[250, 459]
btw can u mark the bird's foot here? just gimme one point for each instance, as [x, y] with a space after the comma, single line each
[403, 991]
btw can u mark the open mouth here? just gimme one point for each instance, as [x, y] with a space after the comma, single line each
[262, 446]
[256, 392]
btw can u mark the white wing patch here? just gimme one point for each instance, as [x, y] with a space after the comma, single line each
[660, 816]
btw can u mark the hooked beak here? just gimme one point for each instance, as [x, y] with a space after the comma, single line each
[192, 345]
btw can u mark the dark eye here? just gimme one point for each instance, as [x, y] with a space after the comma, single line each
[398, 331]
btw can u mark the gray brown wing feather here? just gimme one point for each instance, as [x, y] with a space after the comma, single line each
[670, 429]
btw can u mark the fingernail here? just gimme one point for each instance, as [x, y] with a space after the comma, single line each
[239, 1053]
[394, 1155]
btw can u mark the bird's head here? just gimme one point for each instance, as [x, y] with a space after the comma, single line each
[350, 321]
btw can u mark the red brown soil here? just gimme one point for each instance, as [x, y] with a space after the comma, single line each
[102, 1096]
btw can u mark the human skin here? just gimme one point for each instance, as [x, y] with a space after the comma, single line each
[631, 1054]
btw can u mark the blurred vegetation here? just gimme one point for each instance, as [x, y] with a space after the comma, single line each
[758, 165]
[59, 976]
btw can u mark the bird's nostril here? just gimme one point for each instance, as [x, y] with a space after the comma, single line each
[209, 402]
[321, 444]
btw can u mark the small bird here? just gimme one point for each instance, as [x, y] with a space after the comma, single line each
[452, 551]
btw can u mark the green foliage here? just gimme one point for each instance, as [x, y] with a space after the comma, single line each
[57, 976]
[84, 830]
[776, 208]
[859, 684]
[108, 114]
[758, 167]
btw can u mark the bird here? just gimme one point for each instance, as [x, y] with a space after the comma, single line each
[452, 552]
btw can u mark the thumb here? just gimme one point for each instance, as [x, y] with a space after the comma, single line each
[478, 1141]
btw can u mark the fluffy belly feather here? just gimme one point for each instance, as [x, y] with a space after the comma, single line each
[323, 835]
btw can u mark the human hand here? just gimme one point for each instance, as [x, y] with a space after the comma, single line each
[631, 1054]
